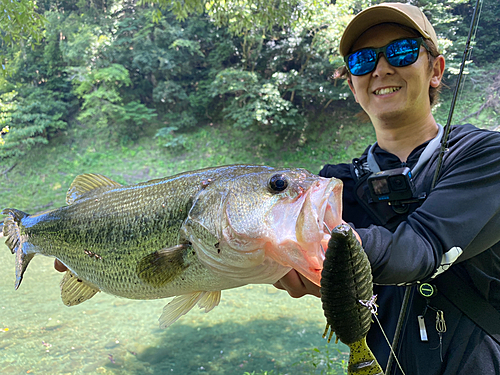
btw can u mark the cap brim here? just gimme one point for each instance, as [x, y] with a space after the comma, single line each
[374, 16]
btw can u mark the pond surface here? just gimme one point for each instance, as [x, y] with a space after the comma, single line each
[254, 329]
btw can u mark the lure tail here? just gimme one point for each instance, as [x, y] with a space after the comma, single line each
[361, 360]
[15, 241]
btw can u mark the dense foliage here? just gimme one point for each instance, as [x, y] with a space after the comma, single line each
[19, 21]
[117, 67]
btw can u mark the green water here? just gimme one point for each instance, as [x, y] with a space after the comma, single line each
[255, 328]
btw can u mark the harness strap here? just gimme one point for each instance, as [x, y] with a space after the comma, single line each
[467, 300]
[432, 146]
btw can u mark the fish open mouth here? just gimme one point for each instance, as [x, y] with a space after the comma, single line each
[264, 242]
[320, 212]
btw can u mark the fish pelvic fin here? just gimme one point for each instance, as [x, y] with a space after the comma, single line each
[87, 182]
[75, 291]
[14, 240]
[181, 305]
[362, 361]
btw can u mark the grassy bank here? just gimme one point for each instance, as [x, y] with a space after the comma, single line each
[41, 178]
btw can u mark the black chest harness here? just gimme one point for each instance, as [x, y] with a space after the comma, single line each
[390, 214]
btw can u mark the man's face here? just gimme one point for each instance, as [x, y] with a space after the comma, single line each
[390, 93]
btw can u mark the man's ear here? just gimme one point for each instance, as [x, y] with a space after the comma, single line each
[353, 90]
[437, 71]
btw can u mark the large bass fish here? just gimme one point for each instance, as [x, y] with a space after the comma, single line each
[190, 235]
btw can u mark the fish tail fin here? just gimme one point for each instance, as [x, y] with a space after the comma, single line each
[362, 361]
[14, 240]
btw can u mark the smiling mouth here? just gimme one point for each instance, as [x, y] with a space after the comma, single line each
[386, 90]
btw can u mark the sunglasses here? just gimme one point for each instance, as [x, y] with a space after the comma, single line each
[401, 52]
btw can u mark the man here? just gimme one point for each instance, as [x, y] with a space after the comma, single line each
[394, 71]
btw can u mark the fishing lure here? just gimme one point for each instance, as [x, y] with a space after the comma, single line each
[346, 288]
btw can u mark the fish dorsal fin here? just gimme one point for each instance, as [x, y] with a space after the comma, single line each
[87, 182]
[162, 266]
[180, 305]
[75, 291]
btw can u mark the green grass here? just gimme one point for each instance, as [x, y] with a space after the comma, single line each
[327, 360]
[41, 178]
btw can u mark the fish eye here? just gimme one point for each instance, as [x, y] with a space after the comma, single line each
[278, 183]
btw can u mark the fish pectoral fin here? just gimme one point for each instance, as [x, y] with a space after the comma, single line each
[162, 266]
[75, 291]
[84, 183]
[181, 305]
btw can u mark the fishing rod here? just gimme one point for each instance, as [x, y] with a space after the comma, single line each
[444, 141]
[447, 128]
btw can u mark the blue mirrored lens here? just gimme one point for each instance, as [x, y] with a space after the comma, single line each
[362, 62]
[402, 52]
[399, 53]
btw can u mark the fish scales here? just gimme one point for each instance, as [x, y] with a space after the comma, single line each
[104, 248]
[346, 280]
[190, 235]
[111, 229]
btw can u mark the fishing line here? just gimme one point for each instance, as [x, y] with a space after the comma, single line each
[399, 326]
[390, 346]
[469, 53]
[373, 307]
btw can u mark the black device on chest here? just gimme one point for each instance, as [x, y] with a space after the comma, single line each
[393, 185]
[389, 196]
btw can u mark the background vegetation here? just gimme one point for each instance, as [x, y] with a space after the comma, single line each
[141, 90]
[137, 90]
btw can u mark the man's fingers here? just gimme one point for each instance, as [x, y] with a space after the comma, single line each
[59, 266]
[297, 285]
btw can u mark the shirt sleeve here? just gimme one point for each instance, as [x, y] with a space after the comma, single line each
[463, 210]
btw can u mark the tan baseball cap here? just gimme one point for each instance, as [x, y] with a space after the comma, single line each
[403, 14]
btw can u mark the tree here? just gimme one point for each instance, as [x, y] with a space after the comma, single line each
[243, 15]
[19, 21]
[103, 105]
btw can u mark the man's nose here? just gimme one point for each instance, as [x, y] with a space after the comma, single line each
[383, 67]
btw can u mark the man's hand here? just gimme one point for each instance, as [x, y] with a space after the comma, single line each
[297, 285]
[59, 266]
